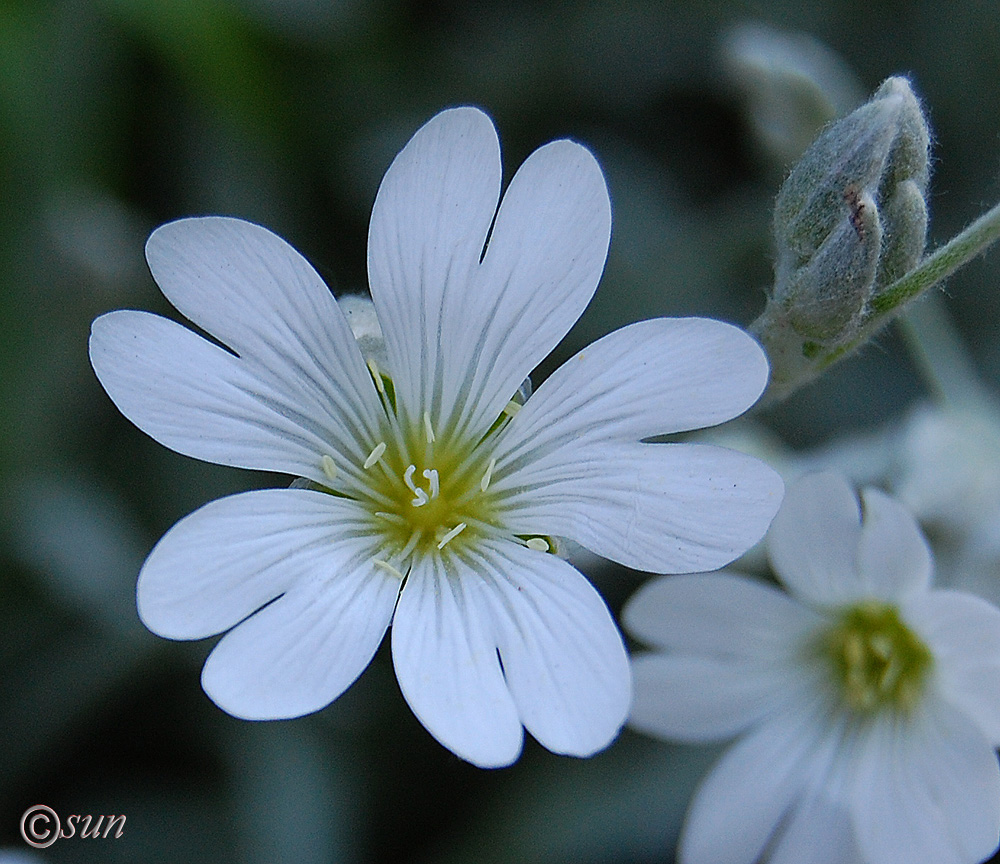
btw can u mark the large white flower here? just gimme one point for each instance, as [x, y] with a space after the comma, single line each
[868, 702]
[433, 497]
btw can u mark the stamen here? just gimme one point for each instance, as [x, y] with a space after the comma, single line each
[538, 544]
[432, 475]
[377, 375]
[854, 650]
[451, 535]
[385, 565]
[411, 544]
[375, 455]
[511, 408]
[881, 646]
[329, 468]
[428, 429]
[484, 484]
[890, 675]
[391, 517]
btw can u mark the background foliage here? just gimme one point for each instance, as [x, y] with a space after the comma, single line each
[118, 115]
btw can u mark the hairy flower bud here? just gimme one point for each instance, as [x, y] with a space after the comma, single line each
[850, 219]
[902, 194]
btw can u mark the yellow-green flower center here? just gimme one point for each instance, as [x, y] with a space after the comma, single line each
[424, 487]
[433, 492]
[878, 662]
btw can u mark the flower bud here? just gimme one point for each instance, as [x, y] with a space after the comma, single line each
[791, 84]
[850, 219]
[903, 191]
[360, 313]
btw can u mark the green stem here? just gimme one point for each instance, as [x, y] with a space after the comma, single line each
[941, 264]
[792, 366]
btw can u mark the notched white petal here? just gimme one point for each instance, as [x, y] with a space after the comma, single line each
[930, 792]
[233, 555]
[447, 666]
[302, 651]
[428, 228]
[570, 456]
[563, 657]
[893, 557]
[741, 802]
[813, 540]
[545, 258]
[963, 634]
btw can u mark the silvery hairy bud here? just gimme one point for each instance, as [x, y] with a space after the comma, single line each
[850, 219]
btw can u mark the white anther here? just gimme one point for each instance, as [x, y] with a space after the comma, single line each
[329, 468]
[375, 455]
[451, 535]
[377, 376]
[385, 565]
[484, 484]
[511, 408]
[538, 544]
[431, 474]
[428, 429]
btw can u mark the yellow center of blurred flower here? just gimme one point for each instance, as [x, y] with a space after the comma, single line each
[878, 661]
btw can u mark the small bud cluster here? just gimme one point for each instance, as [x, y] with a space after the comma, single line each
[850, 219]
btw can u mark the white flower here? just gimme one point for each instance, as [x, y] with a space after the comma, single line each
[432, 498]
[947, 466]
[868, 703]
[946, 469]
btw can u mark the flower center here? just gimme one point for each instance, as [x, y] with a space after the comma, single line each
[878, 661]
[426, 489]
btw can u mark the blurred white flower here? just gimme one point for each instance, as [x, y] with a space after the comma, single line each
[431, 496]
[19, 856]
[947, 466]
[946, 469]
[868, 703]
